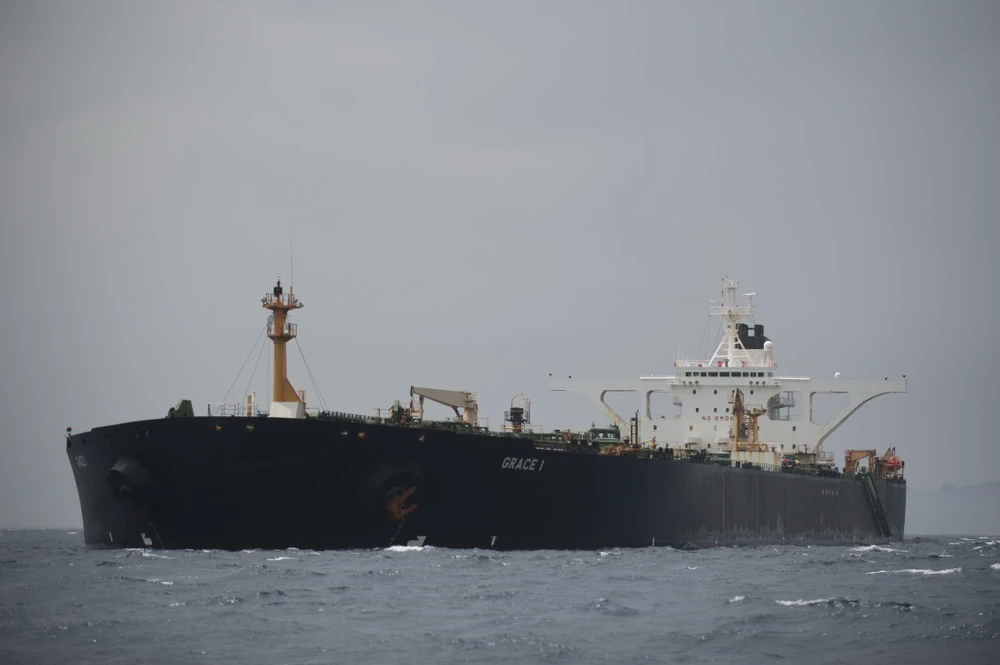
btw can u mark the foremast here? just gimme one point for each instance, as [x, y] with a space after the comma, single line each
[287, 402]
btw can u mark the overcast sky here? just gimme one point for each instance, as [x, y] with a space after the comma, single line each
[483, 193]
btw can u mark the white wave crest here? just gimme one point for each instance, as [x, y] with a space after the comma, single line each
[995, 566]
[736, 599]
[917, 571]
[803, 603]
[408, 548]
[282, 558]
[875, 548]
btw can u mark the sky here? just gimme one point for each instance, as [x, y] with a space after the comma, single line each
[479, 194]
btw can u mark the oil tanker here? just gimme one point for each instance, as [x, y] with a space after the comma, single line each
[732, 462]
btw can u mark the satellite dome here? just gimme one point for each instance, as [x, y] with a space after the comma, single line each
[836, 375]
[768, 345]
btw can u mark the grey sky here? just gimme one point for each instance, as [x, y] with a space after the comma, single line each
[483, 193]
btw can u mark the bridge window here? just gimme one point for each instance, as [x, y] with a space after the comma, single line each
[746, 374]
[687, 373]
[713, 374]
[753, 373]
[715, 409]
[697, 410]
[726, 374]
[703, 373]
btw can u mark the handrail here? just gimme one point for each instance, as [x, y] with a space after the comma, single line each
[550, 441]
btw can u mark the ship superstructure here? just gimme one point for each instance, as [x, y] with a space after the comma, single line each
[736, 404]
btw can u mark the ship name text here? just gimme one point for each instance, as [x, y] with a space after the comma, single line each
[522, 463]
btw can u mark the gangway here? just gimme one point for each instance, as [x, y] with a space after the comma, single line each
[876, 503]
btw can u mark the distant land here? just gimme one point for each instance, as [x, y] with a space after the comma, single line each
[950, 510]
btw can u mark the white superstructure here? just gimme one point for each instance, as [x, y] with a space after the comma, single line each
[740, 375]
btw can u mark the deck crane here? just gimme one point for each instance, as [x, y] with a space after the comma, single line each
[852, 457]
[456, 399]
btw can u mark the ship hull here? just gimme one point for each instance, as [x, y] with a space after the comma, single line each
[235, 483]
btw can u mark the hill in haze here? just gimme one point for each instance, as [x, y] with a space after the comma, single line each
[971, 510]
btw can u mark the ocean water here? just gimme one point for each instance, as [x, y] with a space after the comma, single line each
[924, 600]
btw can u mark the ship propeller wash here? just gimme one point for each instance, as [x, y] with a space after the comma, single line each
[733, 463]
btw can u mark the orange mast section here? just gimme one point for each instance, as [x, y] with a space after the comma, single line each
[281, 331]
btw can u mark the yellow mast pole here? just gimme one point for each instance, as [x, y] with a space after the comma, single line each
[280, 331]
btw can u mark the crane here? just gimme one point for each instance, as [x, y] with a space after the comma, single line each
[852, 457]
[456, 399]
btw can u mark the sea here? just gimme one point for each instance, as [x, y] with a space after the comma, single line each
[922, 600]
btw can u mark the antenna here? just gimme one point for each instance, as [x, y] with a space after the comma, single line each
[291, 263]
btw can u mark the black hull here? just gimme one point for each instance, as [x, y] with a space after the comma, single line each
[235, 483]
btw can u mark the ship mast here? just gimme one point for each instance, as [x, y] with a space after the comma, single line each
[287, 402]
[731, 351]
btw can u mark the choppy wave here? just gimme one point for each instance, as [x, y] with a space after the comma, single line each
[875, 548]
[923, 600]
[917, 571]
[803, 603]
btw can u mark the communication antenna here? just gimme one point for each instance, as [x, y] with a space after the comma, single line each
[291, 263]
